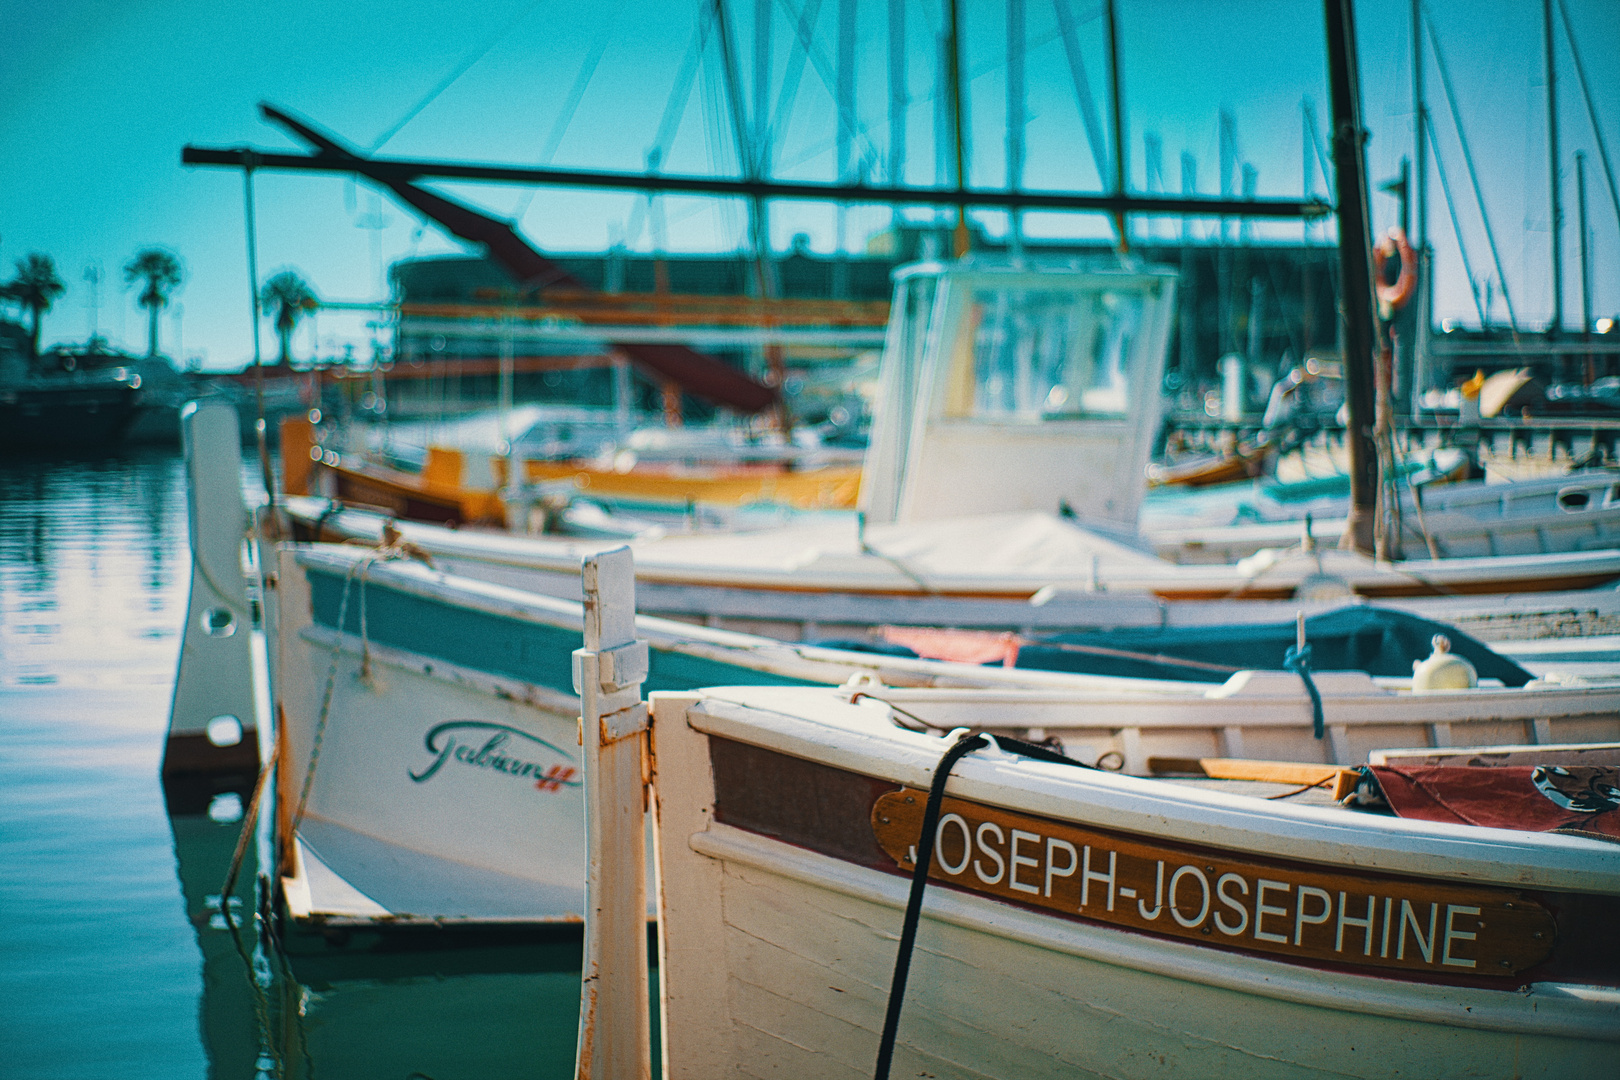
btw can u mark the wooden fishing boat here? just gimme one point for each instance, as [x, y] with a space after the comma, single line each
[1016, 414]
[429, 771]
[996, 382]
[1574, 512]
[458, 486]
[1081, 922]
[1244, 463]
[1004, 559]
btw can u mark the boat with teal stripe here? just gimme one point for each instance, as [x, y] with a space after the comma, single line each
[429, 744]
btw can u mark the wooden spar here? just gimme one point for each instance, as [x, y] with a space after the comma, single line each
[696, 372]
[614, 1031]
[212, 731]
[1355, 271]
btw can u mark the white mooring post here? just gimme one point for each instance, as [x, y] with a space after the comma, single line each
[614, 1038]
[212, 731]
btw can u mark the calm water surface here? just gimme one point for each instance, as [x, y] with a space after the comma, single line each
[114, 957]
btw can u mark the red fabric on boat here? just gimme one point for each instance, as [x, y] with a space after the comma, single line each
[1498, 797]
[962, 646]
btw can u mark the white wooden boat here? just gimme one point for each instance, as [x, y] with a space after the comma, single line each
[429, 742]
[1008, 571]
[1015, 404]
[1078, 922]
[1579, 511]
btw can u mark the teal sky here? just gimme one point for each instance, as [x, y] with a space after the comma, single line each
[97, 97]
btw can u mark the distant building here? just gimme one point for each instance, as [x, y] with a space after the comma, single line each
[1271, 304]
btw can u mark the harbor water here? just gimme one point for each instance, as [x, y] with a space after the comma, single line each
[115, 956]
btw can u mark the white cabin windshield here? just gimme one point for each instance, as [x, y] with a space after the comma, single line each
[1046, 354]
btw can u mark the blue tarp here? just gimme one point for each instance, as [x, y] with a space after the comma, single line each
[1356, 638]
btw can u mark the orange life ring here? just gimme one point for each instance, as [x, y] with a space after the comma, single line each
[1394, 297]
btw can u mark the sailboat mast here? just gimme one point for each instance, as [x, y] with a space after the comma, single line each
[1015, 120]
[1420, 155]
[1111, 17]
[897, 100]
[1557, 224]
[1418, 196]
[1355, 270]
[953, 74]
[1585, 258]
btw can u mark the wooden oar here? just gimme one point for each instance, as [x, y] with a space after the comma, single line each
[1274, 772]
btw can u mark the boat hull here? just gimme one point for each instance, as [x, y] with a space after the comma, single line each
[435, 722]
[779, 945]
[88, 417]
[428, 794]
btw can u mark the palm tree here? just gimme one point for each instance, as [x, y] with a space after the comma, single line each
[36, 288]
[160, 269]
[291, 297]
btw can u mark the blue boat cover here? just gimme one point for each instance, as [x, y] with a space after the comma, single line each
[1354, 638]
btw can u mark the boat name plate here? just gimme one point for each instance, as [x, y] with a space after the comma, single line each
[1295, 911]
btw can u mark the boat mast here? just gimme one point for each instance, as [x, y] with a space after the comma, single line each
[1585, 258]
[1591, 110]
[1111, 22]
[1418, 195]
[1015, 120]
[1355, 271]
[1420, 155]
[961, 240]
[897, 103]
[1557, 223]
[261, 430]
[844, 80]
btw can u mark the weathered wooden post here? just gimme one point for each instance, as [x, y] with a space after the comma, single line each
[614, 1039]
[213, 737]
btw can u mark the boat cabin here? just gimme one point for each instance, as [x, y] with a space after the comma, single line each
[1018, 388]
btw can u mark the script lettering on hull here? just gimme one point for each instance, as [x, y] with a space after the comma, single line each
[1296, 912]
[482, 745]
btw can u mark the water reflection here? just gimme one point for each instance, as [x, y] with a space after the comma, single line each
[115, 957]
[90, 588]
[232, 1015]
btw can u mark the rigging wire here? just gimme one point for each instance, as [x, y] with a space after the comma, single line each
[1320, 146]
[1473, 176]
[868, 154]
[725, 110]
[795, 67]
[669, 123]
[1591, 111]
[565, 116]
[1069, 31]
[1456, 226]
[457, 72]
[714, 113]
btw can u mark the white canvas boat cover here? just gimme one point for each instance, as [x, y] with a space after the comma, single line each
[1028, 545]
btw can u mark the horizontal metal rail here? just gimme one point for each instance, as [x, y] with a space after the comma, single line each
[574, 333]
[402, 170]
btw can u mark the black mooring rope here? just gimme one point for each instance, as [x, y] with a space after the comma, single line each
[919, 874]
[966, 744]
